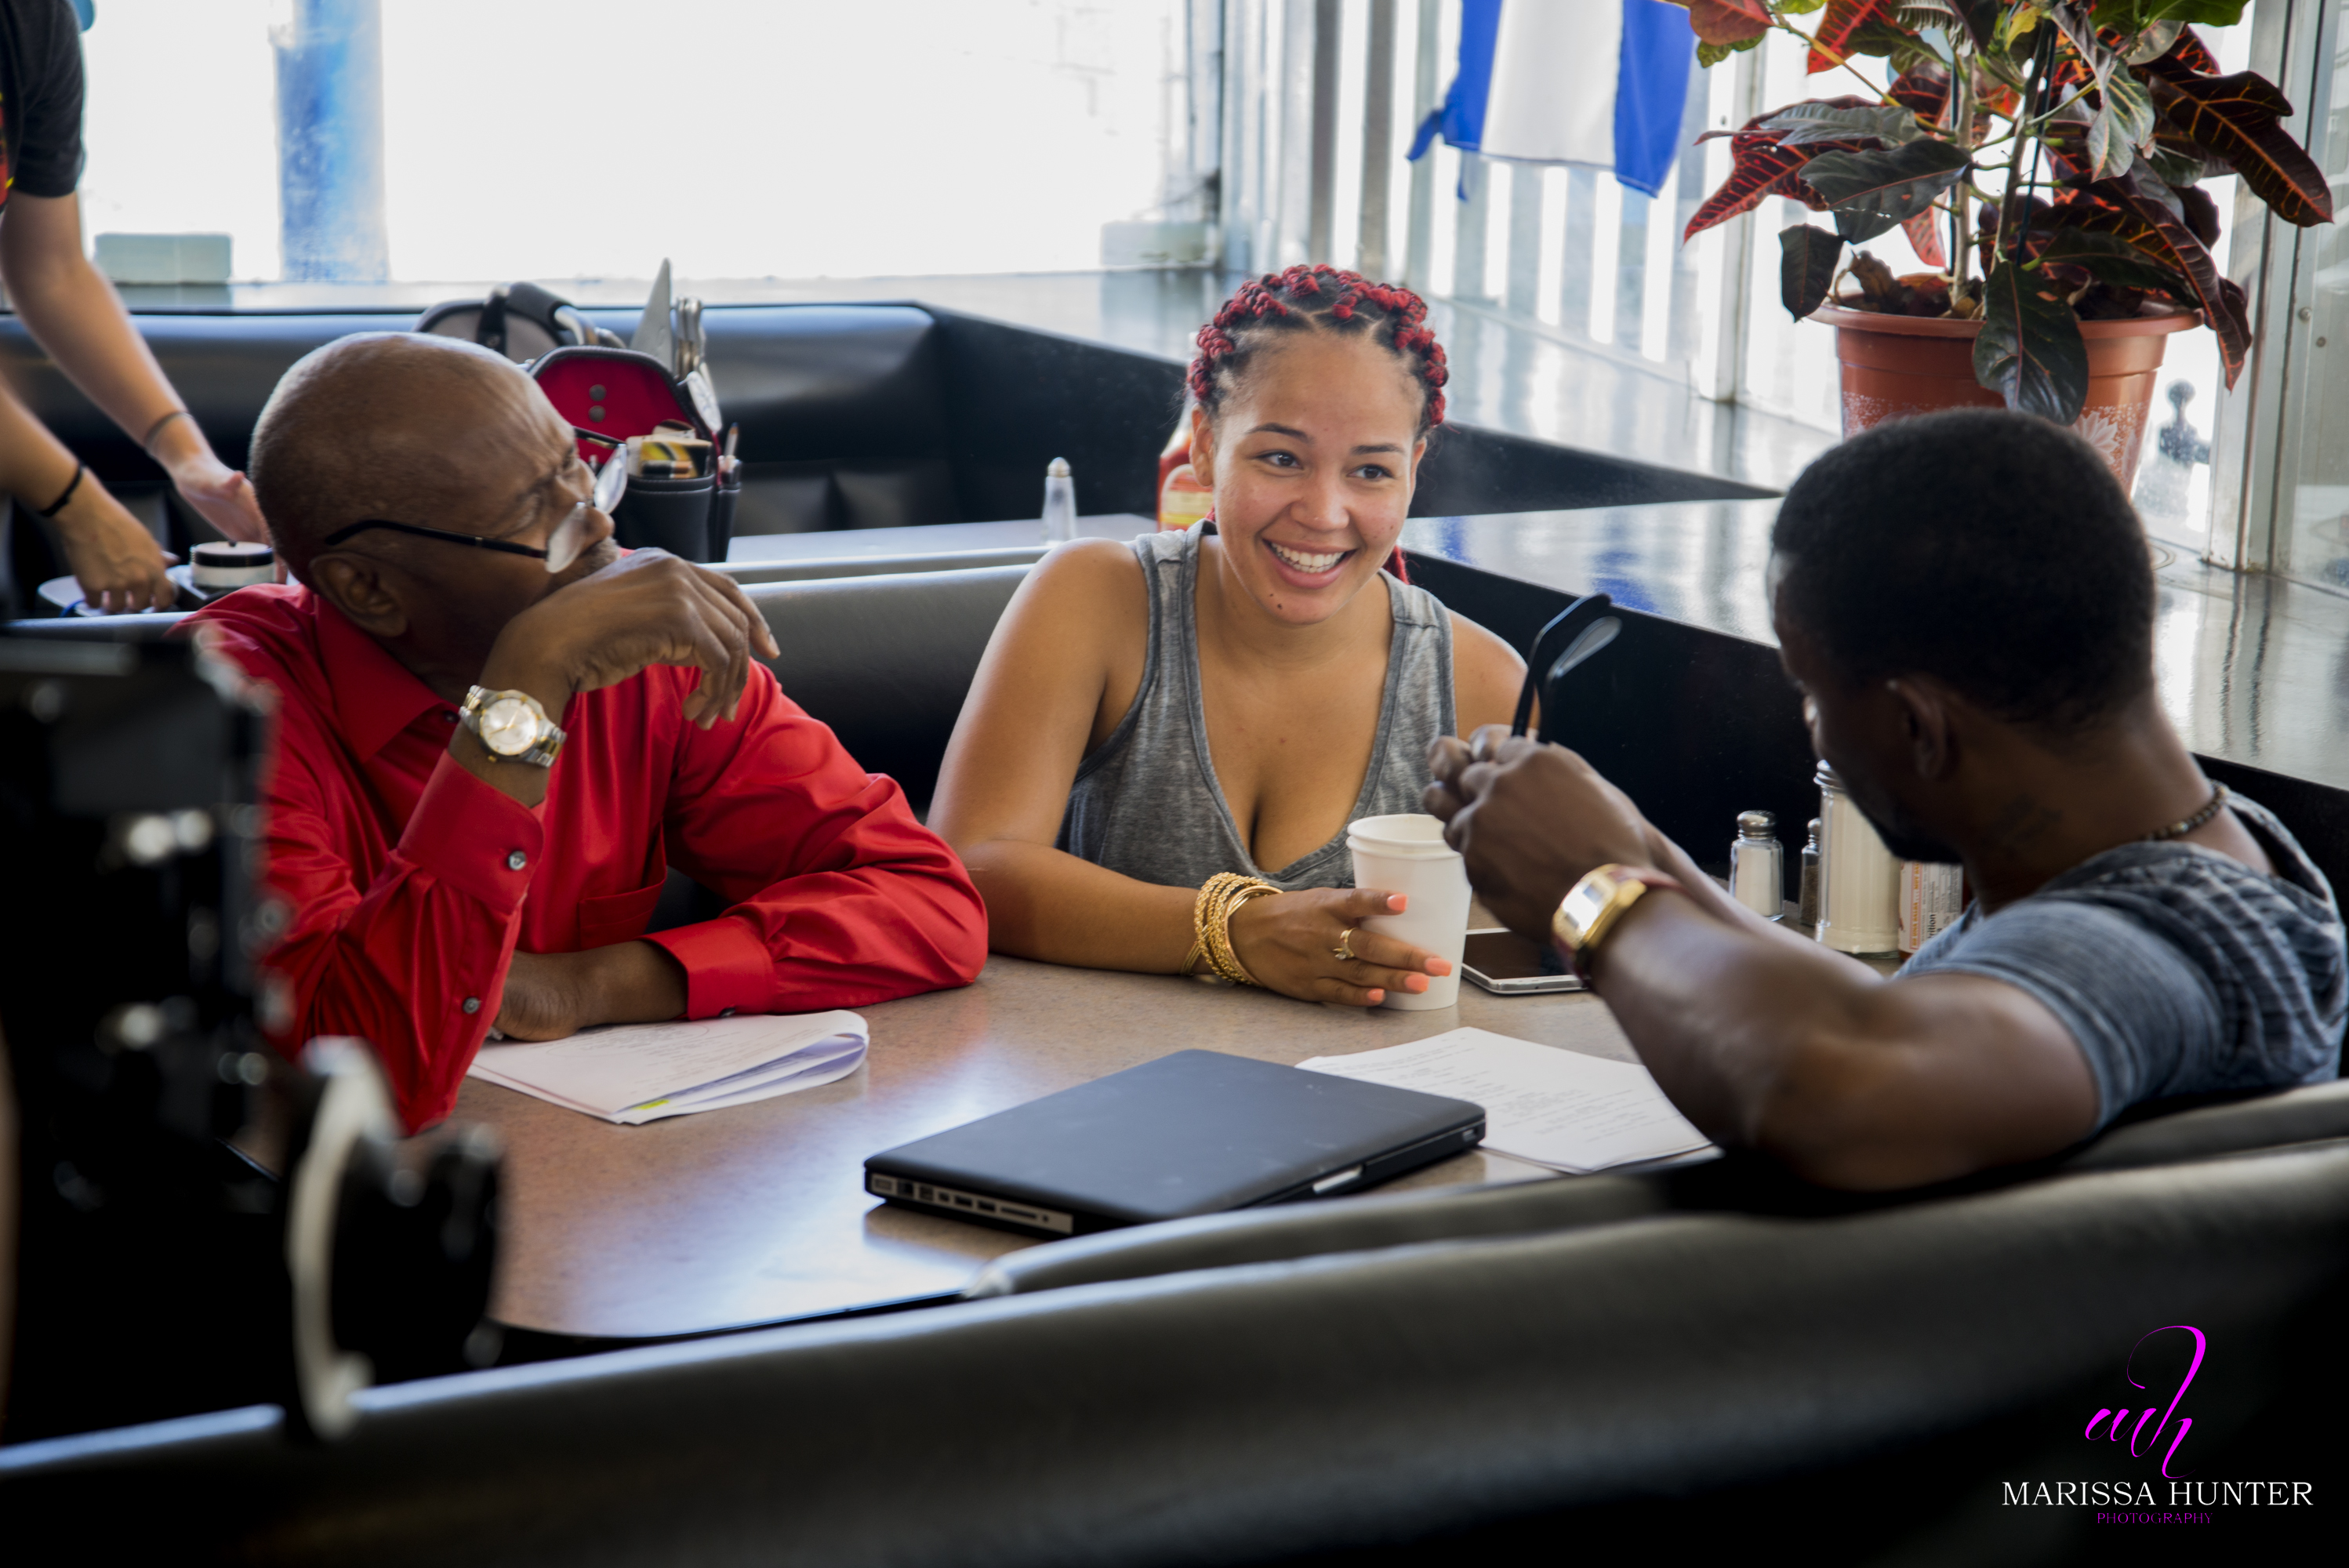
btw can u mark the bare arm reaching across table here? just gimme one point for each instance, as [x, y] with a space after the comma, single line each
[1763, 1039]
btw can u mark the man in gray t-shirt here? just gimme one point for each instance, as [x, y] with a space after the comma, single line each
[2176, 969]
[1965, 602]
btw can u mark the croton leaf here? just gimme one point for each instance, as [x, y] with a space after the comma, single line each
[1981, 17]
[1727, 21]
[1760, 169]
[2109, 258]
[2123, 123]
[1807, 266]
[1924, 93]
[1923, 15]
[2187, 58]
[1871, 191]
[2237, 120]
[1881, 37]
[2200, 213]
[1711, 55]
[2130, 17]
[2152, 44]
[1924, 232]
[2066, 147]
[1992, 243]
[1806, 124]
[2179, 163]
[2030, 351]
[1834, 30]
[2132, 209]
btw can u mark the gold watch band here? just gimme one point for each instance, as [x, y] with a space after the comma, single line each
[547, 744]
[1597, 903]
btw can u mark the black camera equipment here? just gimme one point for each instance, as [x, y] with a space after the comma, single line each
[161, 1269]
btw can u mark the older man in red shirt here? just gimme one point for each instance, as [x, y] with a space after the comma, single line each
[496, 733]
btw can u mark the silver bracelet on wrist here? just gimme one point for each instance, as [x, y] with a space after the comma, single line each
[155, 429]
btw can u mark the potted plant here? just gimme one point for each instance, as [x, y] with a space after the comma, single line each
[2054, 282]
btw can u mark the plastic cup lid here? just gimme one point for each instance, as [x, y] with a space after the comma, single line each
[234, 553]
[1411, 835]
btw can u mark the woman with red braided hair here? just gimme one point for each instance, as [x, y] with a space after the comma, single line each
[1157, 723]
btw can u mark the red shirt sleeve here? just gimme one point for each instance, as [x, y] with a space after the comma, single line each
[413, 962]
[839, 897]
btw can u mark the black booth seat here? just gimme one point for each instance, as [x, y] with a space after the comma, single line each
[1863, 1385]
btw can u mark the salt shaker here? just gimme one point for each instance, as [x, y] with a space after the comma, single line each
[1806, 913]
[1059, 502]
[1757, 865]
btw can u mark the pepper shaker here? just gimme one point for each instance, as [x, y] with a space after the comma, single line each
[1806, 913]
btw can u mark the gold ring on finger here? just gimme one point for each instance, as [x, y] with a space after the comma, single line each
[1344, 951]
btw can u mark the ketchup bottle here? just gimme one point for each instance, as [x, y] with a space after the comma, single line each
[1182, 498]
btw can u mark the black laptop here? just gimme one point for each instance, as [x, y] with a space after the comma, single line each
[1198, 1132]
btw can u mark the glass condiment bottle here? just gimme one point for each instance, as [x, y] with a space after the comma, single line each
[1757, 865]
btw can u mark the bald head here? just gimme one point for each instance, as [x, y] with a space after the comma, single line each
[393, 425]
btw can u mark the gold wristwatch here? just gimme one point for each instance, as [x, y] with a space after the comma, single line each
[513, 726]
[1587, 913]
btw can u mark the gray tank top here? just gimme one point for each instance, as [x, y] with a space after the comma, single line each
[1146, 803]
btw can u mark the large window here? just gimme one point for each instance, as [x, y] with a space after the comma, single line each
[745, 138]
[2312, 494]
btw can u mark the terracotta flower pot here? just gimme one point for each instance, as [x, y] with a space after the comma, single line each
[1896, 365]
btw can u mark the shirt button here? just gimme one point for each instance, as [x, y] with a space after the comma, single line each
[725, 1012]
[448, 716]
[516, 861]
[472, 1004]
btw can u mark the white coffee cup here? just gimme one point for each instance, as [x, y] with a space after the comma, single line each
[1407, 854]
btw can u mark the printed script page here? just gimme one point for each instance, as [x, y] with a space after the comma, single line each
[1552, 1107]
[608, 1071]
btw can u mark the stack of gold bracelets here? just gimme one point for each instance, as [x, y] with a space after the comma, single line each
[1210, 925]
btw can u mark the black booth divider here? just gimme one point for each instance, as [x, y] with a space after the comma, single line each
[1697, 725]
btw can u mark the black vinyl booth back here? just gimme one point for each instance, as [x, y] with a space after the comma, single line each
[852, 415]
[1698, 726]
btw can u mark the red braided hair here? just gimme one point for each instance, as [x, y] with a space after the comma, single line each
[1320, 298]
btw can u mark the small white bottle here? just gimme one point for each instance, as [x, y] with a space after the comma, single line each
[1858, 878]
[1059, 502]
[1757, 865]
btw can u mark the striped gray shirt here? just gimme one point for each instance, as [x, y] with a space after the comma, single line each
[2178, 969]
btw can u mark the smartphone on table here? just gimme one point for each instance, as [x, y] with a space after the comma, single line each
[1511, 965]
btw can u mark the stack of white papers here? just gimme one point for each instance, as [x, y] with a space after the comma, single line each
[1549, 1106]
[632, 1073]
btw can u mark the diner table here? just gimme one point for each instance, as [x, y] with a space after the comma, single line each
[757, 1214]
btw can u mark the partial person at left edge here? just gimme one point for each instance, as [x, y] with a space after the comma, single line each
[495, 733]
[78, 320]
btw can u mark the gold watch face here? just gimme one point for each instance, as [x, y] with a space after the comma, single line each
[508, 726]
[1582, 906]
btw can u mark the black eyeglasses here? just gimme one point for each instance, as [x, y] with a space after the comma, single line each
[570, 536]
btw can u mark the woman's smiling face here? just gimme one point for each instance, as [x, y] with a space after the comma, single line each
[1311, 458]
